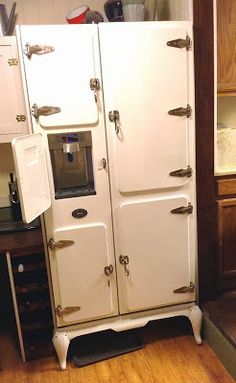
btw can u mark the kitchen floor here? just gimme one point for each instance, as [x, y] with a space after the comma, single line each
[222, 312]
[170, 355]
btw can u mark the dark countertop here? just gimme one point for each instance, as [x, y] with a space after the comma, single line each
[20, 240]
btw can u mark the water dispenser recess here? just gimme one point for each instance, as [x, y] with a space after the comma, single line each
[72, 164]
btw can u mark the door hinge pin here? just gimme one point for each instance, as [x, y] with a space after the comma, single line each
[37, 50]
[182, 172]
[67, 310]
[44, 110]
[185, 289]
[183, 209]
[181, 111]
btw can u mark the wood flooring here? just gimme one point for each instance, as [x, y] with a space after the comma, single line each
[170, 355]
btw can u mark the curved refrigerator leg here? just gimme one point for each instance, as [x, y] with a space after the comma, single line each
[195, 317]
[61, 343]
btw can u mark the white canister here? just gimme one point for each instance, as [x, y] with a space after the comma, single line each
[133, 12]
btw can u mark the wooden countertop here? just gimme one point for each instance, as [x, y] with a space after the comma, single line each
[20, 240]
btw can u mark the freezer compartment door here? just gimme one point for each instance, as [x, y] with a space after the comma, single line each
[32, 176]
[79, 277]
[143, 84]
[60, 77]
[157, 244]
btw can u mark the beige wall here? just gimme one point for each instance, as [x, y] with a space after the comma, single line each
[55, 11]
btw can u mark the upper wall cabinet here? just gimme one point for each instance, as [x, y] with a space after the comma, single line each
[13, 119]
[226, 46]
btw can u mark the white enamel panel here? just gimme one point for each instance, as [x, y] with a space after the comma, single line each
[11, 94]
[143, 79]
[32, 177]
[80, 271]
[62, 78]
[157, 244]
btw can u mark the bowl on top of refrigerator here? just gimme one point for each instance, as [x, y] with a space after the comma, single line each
[114, 10]
[77, 15]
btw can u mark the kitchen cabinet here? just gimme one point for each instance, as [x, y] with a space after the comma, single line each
[226, 48]
[112, 166]
[226, 204]
[13, 120]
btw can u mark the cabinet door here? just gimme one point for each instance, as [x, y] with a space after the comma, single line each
[144, 79]
[158, 247]
[61, 77]
[79, 276]
[12, 109]
[227, 243]
[32, 176]
[226, 48]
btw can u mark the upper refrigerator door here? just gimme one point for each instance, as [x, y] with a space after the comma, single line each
[31, 173]
[62, 73]
[148, 112]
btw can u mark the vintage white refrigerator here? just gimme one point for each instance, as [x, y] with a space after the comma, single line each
[111, 164]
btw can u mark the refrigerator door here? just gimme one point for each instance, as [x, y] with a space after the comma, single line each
[148, 80]
[158, 245]
[59, 75]
[31, 173]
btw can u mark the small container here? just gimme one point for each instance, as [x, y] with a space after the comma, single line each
[77, 16]
[114, 10]
[133, 10]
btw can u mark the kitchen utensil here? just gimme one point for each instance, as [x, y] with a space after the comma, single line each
[77, 16]
[93, 17]
[114, 10]
[6, 23]
[133, 10]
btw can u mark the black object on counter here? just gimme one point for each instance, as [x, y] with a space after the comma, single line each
[114, 10]
[14, 199]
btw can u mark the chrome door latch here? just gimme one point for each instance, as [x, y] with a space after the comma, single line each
[124, 260]
[108, 270]
[59, 244]
[95, 86]
[114, 116]
[183, 209]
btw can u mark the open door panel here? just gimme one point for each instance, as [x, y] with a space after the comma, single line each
[32, 177]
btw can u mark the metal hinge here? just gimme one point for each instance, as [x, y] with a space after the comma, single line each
[185, 289]
[59, 244]
[67, 310]
[20, 118]
[180, 43]
[182, 172]
[181, 111]
[37, 50]
[183, 209]
[44, 110]
[12, 61]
